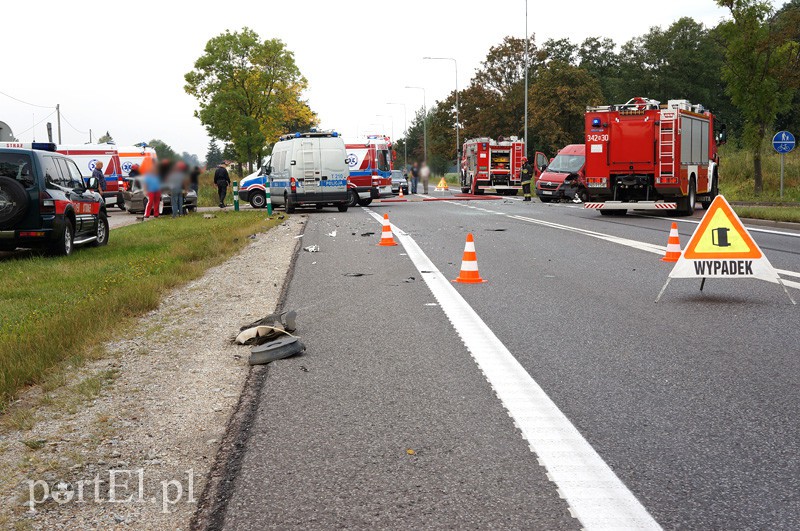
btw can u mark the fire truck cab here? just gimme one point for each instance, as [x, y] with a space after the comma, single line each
[495, 164]
[646, 156]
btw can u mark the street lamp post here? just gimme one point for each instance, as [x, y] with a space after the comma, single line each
[424, 121]
[405, 131]
[458, 122]
[526, 78]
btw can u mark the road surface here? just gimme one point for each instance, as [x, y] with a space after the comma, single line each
[423, 404]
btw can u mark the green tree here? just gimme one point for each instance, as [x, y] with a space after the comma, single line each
[561, 50]
[249, 92]
[597, 56]
[558, 101]
[761, 69]
[213, 155]
[163, 150]
[105, 139]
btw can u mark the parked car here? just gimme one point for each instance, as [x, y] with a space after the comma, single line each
[398, 182]
[564, 177]
[44, 201]
[135, 198]
[305, 169]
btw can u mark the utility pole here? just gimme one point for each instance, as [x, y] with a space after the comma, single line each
[458, 122]
[424, 121]
[90, 136]
[526, 78]
[58, 114]
[405, 132]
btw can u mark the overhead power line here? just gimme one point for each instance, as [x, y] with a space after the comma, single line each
[72, 126]
[37, 123]
[28, 103]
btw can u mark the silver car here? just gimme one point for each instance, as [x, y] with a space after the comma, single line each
[134, 198]
[398, 182]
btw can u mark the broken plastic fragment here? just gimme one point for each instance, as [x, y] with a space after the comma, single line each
[312, 248]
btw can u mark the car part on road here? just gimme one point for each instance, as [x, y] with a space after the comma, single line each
[286, 319]
[276, 350]
[368, 234]
[312, 248]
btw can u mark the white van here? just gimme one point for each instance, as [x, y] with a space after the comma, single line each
[308, 169]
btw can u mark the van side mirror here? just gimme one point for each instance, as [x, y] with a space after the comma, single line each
[267, 170]
[92, 183]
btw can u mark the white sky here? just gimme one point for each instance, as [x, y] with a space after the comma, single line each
[119, 66]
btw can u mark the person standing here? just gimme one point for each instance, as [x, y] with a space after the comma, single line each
[194, 179]
[97, 173]
[414, 178]
[425, 175]
[222, 180]
[527, 176]
[176, 181]
[152, 190]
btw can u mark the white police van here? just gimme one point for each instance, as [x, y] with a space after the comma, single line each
[304, 169]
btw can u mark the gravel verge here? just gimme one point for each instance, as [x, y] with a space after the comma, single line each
[150, 413]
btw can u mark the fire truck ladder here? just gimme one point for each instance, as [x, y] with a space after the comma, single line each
[666, 148]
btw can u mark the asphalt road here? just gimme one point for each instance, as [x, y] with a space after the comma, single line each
[691, 402]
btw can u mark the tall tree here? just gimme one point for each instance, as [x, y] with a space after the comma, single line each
[163, 150]
[249, 91]
[213, 155]
[597, 56]
[761, 70]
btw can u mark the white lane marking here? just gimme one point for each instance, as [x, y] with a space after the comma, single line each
[749, 227]
[596, 496]
[642, 246]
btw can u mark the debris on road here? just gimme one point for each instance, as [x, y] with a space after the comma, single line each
[278, 349]
[367, 233]
[357, 274]
[332, 234]
[312, 248]
[410, 279]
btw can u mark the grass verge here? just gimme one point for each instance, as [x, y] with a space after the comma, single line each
[53, 310]
[736, 175]
[773, 213]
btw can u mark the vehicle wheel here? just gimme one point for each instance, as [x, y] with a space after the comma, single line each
[63, 247]
[714, 191]
[615, 213]
[686, 205]
[365, 202]
[343, 207]
[102, 231]
[289, 202]
[121, 202]
[191, 209]
[464, 189]
[545, 199]
[319, 206]
[583, 195]
[352, 198]
[258, 200]
[13, 202]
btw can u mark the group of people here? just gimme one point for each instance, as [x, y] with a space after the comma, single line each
[173, 176]
[419, 172]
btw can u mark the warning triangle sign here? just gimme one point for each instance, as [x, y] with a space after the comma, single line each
[721, 235]
[721, 247]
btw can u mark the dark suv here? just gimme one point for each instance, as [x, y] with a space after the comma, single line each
[44, 201]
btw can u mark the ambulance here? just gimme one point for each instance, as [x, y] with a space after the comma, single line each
[130, 155]
[86, 156]
[370, 162]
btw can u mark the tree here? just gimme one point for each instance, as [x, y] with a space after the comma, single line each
[190, 159]
[558, 101]
[598, 57]
[761, 69]
[105, 139]
[163, 150]
[249, 92]
[213, 155]
[562, 50]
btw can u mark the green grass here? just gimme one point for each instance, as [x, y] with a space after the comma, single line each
[736, 176]
[57, 310]
[774, 213]
[207, 195]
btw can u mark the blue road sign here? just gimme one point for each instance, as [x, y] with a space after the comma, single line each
[783, 141]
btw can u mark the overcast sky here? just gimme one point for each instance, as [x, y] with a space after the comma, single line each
[119, 66]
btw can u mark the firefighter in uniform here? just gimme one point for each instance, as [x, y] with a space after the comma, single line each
[527, 176]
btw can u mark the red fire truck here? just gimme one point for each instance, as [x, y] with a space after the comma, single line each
[646, 156]
[488, 164]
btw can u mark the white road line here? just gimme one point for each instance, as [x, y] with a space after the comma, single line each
[596, 496]
[749, 227]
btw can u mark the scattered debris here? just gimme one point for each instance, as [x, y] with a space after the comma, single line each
[299, 236]
[303, 368]
[288, 320]
[312, 248]
[281, 216]
[410, 451]
[209, 216]
[367, 233]
[410, 279]
[278, 349]
[358, 274]
[431, 304]
[252, 236]
[332, 234]
[496, 230]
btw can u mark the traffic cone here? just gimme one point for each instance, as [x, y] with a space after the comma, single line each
[387, 239]
[442, 186]
[401, 192]
[469, 264]
[673, 245]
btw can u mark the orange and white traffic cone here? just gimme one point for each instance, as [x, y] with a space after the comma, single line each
[387, 239]
[401, 192]
[673, 245]
[469, 264]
